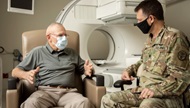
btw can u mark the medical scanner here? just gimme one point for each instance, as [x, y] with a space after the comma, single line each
[107, 35]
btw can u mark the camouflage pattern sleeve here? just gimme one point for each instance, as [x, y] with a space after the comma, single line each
[133, 68]
[178, 69]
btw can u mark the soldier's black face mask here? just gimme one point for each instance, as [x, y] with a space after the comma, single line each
[143, 26]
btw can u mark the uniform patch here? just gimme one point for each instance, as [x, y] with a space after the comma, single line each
[182, 55]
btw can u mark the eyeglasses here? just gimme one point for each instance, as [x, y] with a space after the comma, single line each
[59, 35]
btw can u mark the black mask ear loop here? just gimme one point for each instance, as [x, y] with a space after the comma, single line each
[151, 35]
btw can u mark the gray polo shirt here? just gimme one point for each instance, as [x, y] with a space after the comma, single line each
[56, 68]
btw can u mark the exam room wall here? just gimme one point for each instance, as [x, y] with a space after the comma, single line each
[177, 15]
[13, 24]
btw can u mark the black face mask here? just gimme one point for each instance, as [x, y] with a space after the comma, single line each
[143, 26]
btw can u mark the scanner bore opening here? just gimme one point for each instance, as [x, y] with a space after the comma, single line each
[101, 47]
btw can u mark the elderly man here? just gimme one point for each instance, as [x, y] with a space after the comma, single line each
[52, 68]
[165, 59]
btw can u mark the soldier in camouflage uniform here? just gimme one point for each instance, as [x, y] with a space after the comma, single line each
[166, 66]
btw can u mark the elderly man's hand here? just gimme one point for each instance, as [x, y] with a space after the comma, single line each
[31, 74]
[88, 68]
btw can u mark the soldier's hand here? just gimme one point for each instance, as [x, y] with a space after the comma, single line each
[31, 74]
[146, 93]
[125, 76]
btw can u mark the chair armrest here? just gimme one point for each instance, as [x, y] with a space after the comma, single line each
[120, 83]
[12, 83]
[99, 79]
[17, 92]
[12, 99]
[12, 95]
[95, 90]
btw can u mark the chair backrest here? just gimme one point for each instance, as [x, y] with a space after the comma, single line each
[34, 38]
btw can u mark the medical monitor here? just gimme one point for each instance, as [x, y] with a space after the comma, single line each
[21, 6]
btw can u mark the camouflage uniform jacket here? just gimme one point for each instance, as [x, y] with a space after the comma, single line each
[166, 63]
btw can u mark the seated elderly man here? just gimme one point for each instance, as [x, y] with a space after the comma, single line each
[52, 68]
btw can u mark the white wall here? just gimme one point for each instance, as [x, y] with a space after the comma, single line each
[178, 16]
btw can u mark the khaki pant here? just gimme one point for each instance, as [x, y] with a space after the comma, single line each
[126, 99]
[48, 97]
